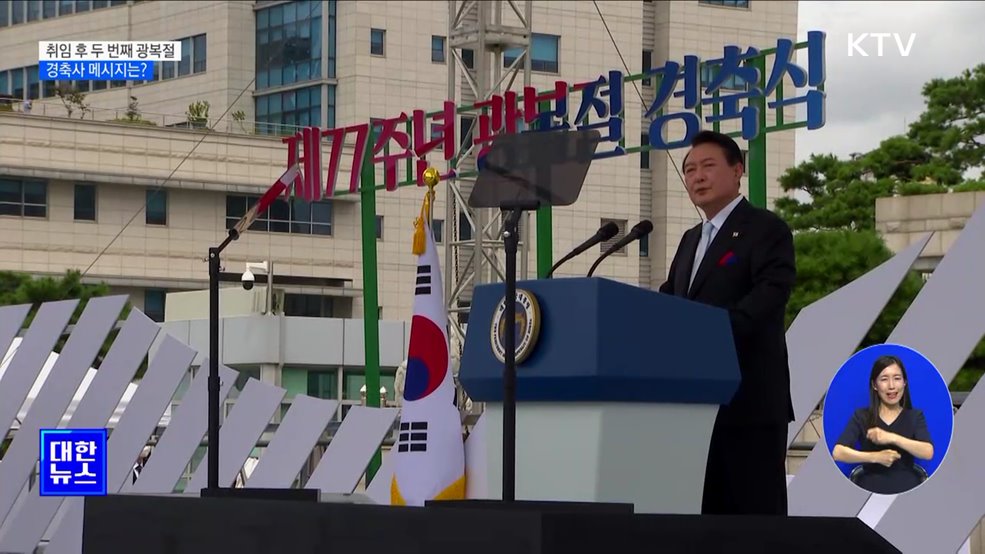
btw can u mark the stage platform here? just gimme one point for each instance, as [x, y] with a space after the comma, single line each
[182, 525]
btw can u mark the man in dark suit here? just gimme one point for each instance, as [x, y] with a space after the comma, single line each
[741, 258]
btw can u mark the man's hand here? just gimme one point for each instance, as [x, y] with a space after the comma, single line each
[885, 457]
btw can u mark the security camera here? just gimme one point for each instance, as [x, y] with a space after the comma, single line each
[247, 280]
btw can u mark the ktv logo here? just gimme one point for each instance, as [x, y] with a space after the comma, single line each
[855, 43]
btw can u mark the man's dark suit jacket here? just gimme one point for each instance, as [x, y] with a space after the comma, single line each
[749, 270]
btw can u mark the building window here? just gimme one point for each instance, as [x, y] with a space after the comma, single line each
[463, 317]
[323, 384]
[23, 198]
[21, 12]
[375, 127]
[16, 12]
[288, 44]
[621, 223]
[157, 207]
[437, 229]
[162, 70]
[331, 39]
[729, 3]
[645, 246]
[49, 9]
[543, 53]
[199, 53]
[33, 83]
[82, 5]
[647, 65]
[308, 305]
[377, 42]
[467, 122]
[66, 7]
[330, 108]
[379, 227]
[17, 83]
[286, 112]
[295, 216]
[645, 156]
[733, 82]
[85, 202]
[468, 58]
[464, 228]
[437, 49]
[437, 133]
[154, 304]
[194, 51]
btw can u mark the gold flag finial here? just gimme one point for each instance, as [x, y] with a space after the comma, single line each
[431, 178]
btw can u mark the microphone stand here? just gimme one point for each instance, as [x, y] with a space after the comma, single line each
[607, 254]
[511, 241]
[639, 231]
[559, 262]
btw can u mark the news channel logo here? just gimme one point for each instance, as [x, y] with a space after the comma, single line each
[73, 462]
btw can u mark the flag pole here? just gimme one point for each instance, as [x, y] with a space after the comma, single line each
[429, 455]
[431, 179]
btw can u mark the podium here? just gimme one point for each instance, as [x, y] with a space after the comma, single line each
[616, 396]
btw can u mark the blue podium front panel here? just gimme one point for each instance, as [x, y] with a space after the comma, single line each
[599, 340]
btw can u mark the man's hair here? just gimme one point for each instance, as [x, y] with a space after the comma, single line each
[733, 154]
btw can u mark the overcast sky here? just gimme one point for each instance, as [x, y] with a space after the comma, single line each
[871, 98]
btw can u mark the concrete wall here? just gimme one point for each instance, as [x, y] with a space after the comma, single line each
[296, 341]
[902, 220]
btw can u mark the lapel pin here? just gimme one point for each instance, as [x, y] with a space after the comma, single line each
[735, 234]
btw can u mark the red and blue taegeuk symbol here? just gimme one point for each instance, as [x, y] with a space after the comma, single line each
[427, 361]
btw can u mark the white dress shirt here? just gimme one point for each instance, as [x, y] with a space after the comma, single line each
[715, 224]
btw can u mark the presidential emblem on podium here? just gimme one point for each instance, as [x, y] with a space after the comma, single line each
[527, 326]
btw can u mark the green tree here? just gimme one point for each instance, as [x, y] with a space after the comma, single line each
[828, 260]
[21, 288]
[951, 127]
[896, 158]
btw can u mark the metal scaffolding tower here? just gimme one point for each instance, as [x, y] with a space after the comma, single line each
[479, 32]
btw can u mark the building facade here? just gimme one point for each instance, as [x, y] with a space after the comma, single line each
[128, 186]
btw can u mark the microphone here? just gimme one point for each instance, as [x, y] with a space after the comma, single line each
[604, 233]
[640, 230]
